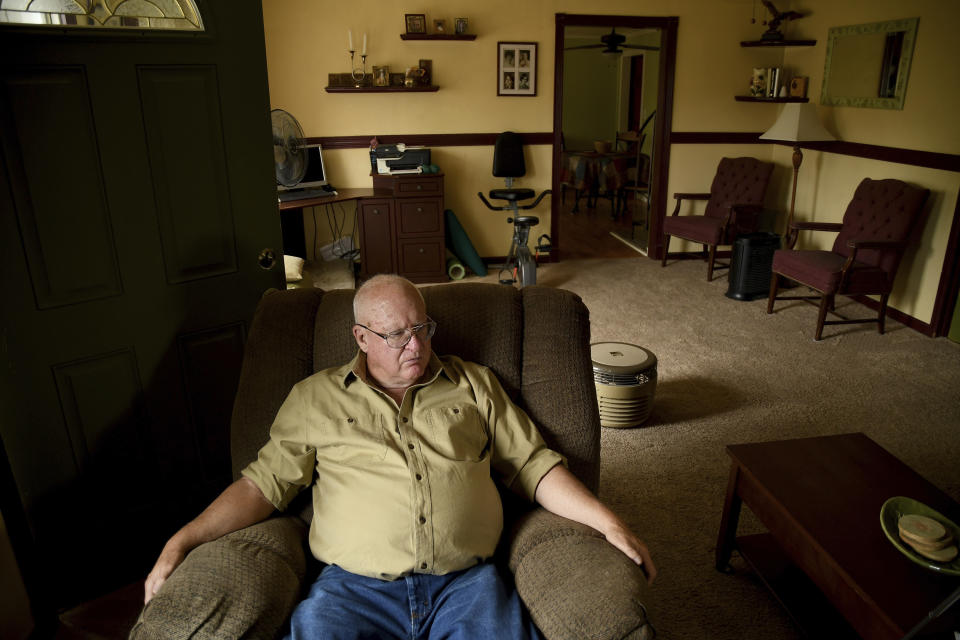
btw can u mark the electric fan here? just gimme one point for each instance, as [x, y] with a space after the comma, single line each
[289, 154]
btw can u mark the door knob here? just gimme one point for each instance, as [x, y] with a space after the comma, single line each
[266, 259]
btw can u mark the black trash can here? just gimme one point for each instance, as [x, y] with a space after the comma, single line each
[751, 263]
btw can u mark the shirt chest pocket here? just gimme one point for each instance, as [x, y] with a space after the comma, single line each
[355, 440]
[458, 433]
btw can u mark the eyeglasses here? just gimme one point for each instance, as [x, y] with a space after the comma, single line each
[400, 339]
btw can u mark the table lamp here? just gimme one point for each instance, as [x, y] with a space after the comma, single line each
[798, 122]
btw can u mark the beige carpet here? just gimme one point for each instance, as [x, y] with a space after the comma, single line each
[730, 373]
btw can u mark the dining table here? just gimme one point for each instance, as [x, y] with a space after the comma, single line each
[596, 174]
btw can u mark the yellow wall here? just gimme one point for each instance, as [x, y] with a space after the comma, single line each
[307, 39]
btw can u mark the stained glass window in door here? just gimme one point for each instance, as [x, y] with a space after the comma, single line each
[178, 15]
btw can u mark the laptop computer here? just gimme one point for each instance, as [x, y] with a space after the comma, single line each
[314, 183]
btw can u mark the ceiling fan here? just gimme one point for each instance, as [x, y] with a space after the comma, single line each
[611, 43]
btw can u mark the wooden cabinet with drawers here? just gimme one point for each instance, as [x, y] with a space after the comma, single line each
[401, 230]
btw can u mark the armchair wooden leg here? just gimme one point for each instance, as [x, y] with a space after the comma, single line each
[666, 248]
[774, 287]
[882, 314]
[825, 303]
[713, 254]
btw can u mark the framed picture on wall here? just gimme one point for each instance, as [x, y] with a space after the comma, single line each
[516, 68]
[416, 22]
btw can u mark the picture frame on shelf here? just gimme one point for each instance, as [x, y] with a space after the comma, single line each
[516, 68]
[381, 76]
[427, 77]
[798, 86]
[415, 22]
[460, 26]
[439, 26]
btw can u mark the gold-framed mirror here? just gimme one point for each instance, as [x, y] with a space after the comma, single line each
[867, 65]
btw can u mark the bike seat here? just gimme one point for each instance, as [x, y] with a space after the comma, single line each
[531, 220]
[512, 194]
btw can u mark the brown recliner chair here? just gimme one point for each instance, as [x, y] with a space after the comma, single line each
[866, 253]
[536, 340]
[733, 208]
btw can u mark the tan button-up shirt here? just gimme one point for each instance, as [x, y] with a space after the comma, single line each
[402, 489]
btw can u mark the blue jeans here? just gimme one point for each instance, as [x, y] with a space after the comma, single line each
[471, 604]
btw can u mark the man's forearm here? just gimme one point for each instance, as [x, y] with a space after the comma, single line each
[560, 492]
[240, 505]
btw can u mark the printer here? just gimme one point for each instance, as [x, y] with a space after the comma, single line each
[399, 158]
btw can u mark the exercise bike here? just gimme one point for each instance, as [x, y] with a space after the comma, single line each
[508, 163]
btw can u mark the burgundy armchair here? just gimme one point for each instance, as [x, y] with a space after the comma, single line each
[866, 253]
[733, 208]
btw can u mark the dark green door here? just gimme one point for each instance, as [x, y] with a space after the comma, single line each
[136, 192]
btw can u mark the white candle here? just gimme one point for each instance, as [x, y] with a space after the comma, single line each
[350, 38]
[364, 52]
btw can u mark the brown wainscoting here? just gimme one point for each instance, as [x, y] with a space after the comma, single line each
[428, 140]
[899, 316]
[928, 159]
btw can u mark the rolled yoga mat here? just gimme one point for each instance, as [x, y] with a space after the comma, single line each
[455, 269]
[460, 245]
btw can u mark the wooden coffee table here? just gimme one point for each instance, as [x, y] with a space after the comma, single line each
[820, 500]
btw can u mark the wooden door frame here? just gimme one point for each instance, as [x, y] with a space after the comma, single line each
[662, 123]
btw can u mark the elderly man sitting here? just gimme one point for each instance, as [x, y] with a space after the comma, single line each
[405, 446]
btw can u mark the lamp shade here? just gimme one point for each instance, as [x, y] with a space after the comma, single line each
[798, 122]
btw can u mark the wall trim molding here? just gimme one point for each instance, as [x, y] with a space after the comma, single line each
[928, 159]
[428, 139]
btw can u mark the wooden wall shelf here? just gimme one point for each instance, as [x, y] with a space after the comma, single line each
[438, 36]
[760, 99]
[777, 43]
[381, 89]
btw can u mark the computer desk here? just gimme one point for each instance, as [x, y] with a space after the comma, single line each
[400, 224]
[291, 215]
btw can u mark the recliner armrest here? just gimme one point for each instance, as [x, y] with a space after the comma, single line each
[243, 585]
[575, 583]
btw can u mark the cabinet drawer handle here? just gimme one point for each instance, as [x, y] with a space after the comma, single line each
[419, 209]
[419, 187]
[421, 250]
[377, 211]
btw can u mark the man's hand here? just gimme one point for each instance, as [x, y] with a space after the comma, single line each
[240, 505]
[561, 493]
[169, 560]
[634, 548]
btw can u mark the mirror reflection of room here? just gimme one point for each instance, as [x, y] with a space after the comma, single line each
[610, 81]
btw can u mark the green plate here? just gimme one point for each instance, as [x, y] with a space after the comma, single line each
[891, 512]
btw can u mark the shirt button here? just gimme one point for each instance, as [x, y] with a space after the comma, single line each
[410, 446]
[456, 410]
[419, 477]
[349, 419]
[403, 419]
[422, 520]
[423, 565]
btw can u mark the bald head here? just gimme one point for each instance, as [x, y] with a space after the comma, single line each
[380, 290]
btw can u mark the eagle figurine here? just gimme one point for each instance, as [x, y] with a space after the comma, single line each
[773, 25]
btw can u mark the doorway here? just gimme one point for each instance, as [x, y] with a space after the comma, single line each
[613, 74]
